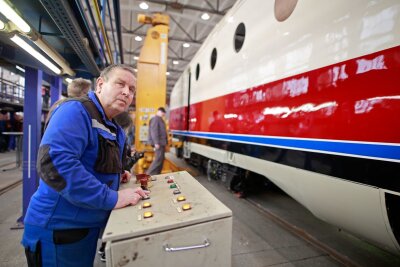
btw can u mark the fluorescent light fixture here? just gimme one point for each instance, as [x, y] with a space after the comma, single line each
[24, 45]
[2, 25]
[144, 5]
[9, 13]
[205, 16]
[51, 53]
[135, 57]
[167, 73]
[135, 70]
[68, 80]
[19, 68]
[175, 62]
[186, 45]
[138, 38]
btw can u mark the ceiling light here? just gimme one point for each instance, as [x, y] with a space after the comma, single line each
[19, 68]
[68, 80]
[144, 5]
[9, 13]
[186, 45]
[135, 70]
[175, 62]
[135, 57]
[138, 38]
[24, 45]
[167, 73]
[51, 53]
[205, 16]
[2, 25]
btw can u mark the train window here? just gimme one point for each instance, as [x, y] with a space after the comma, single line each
[284, 8]
[240, 33]
[197, 71]
[213, 58]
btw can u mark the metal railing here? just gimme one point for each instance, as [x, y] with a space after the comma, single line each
[11, 92]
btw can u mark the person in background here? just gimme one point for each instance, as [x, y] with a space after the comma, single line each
[45, 97]
[158, 139]
[80, 168]
[4, 121]
[78, 87]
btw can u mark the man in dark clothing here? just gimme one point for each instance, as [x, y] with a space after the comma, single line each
[158, 139]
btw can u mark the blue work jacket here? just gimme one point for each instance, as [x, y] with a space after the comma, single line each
[79, 163]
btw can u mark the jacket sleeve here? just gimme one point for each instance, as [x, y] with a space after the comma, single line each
[60, 166]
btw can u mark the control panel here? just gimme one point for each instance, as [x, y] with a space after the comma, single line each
[180, 222]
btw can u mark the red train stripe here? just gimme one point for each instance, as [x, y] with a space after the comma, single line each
[357, 99]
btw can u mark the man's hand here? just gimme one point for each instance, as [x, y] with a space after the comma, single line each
[126, 177]
[127, 197]
[141, 192]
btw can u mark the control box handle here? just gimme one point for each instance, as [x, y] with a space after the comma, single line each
[167, 248]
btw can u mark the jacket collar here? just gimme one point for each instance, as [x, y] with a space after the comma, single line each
[96, 101]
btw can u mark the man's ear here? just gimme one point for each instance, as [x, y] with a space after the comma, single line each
[99, 84]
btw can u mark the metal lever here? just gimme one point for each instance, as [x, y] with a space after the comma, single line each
[167, 248]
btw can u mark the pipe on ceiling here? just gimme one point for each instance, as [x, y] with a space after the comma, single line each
[64, 18]
[97, 8]
[117, 11]
[88, 30]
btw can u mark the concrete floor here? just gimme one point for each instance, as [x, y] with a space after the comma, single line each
[257, 239]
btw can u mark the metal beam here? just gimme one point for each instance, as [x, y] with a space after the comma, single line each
[177, 6]
[174, 13]
[62, 14]
[134, 53]
[170, 38]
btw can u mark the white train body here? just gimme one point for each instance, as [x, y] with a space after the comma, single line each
[311, 102]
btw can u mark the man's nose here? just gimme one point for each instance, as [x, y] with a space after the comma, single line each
[125, 90]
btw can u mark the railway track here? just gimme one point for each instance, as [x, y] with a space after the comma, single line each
[10, 186]
[303, 234]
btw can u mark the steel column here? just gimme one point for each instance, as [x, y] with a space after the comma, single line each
[32, 134]
[55, 89]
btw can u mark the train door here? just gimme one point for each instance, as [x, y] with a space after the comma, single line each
[186, 95]
[188, 99]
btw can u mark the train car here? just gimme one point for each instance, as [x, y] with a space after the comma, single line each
[307, 94]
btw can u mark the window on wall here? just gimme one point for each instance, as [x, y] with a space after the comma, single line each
[240, 34]
[197, 71]
[213, 58]
[284, 8]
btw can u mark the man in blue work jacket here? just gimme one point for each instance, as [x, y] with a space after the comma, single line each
[80, 164]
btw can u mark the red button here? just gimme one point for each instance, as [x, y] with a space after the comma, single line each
[170, 181]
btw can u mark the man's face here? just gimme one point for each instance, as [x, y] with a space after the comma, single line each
[116, 91]
[160, 113]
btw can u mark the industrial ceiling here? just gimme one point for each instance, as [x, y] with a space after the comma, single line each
[87, 35]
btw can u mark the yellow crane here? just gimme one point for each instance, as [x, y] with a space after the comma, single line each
[151, 85]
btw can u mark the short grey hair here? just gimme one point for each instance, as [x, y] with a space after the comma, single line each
[106, 71]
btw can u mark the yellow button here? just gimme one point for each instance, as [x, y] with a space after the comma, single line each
[186, 207]
[181, 198]
[146, 204]
[148, 214]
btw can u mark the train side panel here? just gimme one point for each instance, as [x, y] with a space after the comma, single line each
[312, 103]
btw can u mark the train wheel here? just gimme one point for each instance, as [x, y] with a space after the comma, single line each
[213, 170]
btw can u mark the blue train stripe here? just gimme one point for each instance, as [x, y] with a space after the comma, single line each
[389, 152]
